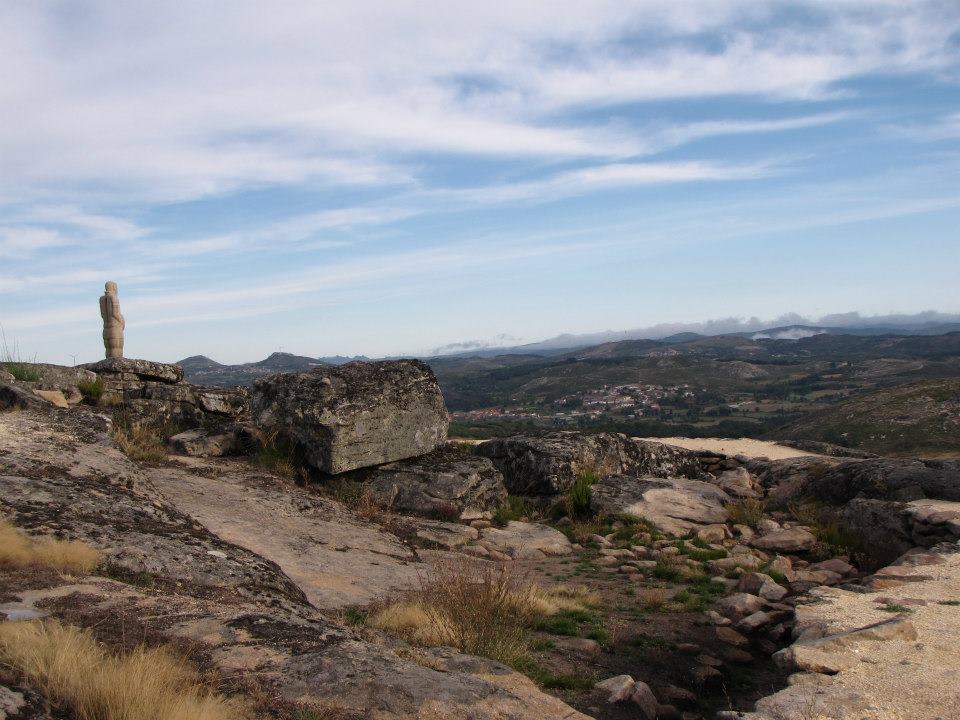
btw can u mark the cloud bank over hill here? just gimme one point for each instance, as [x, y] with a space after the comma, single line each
[783, 326]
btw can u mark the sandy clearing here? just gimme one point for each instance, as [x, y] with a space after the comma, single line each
[735, 446]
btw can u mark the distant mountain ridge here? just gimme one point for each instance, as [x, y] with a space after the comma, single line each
[202, 370]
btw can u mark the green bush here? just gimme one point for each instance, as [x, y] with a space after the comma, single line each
[666, 571]
[576, 502]
[515, 509]
[91, 389]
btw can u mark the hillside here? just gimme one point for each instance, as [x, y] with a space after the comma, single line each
[916, 418]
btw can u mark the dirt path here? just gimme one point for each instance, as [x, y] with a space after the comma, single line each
[337, 559]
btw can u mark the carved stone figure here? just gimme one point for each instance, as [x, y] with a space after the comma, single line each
[113, 322]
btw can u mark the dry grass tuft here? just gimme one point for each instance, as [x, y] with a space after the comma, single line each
[140, 443]
[478, 607]
[71, 669]
[18, 550]
[552, 600]
[748, 511]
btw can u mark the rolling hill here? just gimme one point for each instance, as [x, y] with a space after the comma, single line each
[915, 418]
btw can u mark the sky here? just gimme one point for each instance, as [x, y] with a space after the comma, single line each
[388, 178]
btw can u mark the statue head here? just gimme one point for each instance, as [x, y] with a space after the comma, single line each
[110, 287]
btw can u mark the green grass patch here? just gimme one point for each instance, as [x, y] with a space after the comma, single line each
[355, 616]
[91, 390]
[515, 508]
[576, 502]
[895, 608]
[666, 571]
[547, 678]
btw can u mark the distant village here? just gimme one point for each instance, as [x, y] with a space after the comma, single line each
[631, 401]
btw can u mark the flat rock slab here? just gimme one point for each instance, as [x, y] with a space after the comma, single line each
[674, 505]
[356, 415]
[143, 369]
[335, 558]
[887, 664]
[525, 541]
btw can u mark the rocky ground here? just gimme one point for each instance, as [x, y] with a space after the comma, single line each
[756, 579]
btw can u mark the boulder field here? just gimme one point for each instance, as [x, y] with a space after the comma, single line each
[839, 574]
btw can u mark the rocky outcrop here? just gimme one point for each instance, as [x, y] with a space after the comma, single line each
[450, 481]
[548, 464]
[152, 393]
[884, 650]
[673, 505]
[172, 578]
[356, 415]
[133, 369]
[55, 382]
[887, 479]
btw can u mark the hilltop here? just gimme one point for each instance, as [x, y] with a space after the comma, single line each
[314, 547]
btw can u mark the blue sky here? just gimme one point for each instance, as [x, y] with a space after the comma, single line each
[389, 178]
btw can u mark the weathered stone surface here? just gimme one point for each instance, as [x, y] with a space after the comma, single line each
[834, 653]
[143, 369]
[899, 479]
[522, 540]
[731, 636]
[445, 534]
[738, 483]
[6, 377]
[739, 605]
[356, 415]
[644, 698]
[60, 476]
[713, 533]
[790, 540]
[725, 565]
[203, 443]
[754, 621]
[548, 464]
[54, 397]
[617, 688]
[673, 505]
[761, 585]
[445, 481]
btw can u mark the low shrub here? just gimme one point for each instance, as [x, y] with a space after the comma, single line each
[275, 455]
[747, 511]
[514, 509]
[665, 570]
[92, 390]
[576, 501]
[483, 609]
[141, 443]
[480, 608]
[19, 550]
[71, 669]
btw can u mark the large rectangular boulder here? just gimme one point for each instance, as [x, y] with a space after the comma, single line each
[356, 415]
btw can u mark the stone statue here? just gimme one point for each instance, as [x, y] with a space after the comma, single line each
[113, 322]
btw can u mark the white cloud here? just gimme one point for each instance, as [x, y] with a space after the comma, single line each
[143, 100]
